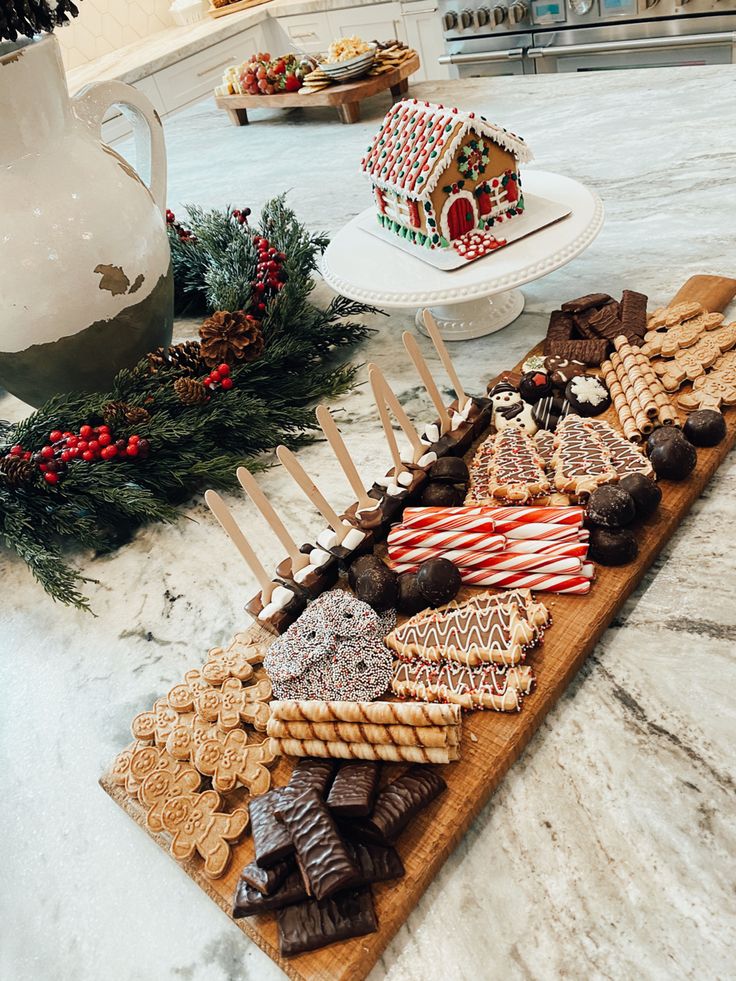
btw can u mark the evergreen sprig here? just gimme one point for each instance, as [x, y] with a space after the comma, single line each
[98, 506]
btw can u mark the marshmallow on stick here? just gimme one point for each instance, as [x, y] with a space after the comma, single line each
[367, 507]
[418, 454]
[402, 477]
[412, 349]
[299, 560]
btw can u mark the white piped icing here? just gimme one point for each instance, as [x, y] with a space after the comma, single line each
[427, 459]
[280, 598]
[318, 557]
[405, 478]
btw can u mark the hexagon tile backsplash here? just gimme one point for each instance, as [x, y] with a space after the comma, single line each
[106, 25]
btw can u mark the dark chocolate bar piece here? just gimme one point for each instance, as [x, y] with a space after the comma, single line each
[313, 772]
[589, 352]
[634, 314]
[316, 924]
[354, 789]
[560, 326]
[323, 859]
[582, 325]
[271, 840]
[398, 803]
[376, 863]
[585, 302]
[605, 322]
[267, 881]
[249, 901]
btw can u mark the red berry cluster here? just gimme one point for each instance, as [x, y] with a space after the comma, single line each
[183, 233]
[219, 376]
[90, 444]
[241, 216]
[270, 274]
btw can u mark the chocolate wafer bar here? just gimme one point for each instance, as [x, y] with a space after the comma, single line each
[311, 773]
[313, 924]
[323, 860]
[354, 789]
[589, 352]
[267, 881]
[398, 803]
[560, 327]
[377, 863]
[633, 316]
[586, 302]
[605, 322]
[249, 901]
[270, 838]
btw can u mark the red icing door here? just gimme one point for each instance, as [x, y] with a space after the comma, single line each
[460, 217]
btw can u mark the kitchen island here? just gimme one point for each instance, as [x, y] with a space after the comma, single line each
[606, 852]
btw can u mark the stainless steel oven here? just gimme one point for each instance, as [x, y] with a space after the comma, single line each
[500, 37]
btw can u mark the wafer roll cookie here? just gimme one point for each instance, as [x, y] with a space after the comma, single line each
[642, 420]
[667, 412]
[381, 713]
[364, 751]
[623, 411]
[633, 369]
[367, 732]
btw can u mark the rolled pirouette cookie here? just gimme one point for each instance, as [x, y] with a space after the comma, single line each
[365, 751]
[366, 732]
[381, 713]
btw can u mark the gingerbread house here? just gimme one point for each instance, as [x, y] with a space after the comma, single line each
[439, 173]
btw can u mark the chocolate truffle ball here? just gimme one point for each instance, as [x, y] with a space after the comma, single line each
[705, 427]
[378, 587]
[411, 598]
[661, 435]
[645, 493]
[437, 495]
[439, 581]
[612, 546]
[610, 506]
[449, 470]
[361, 565]
[674, 458]
[587, 395]
[534, 385]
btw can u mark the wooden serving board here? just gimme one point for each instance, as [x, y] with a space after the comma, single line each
[491, 742]
[346, 98]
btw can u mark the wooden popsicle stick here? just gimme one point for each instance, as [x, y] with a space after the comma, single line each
[334, 438]
[412, 349]
[402, 418]
[439, 345]
[374, 379]
[252, 488]
[231, 528]
[301, 477]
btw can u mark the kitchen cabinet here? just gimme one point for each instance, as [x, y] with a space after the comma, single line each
[303, 33]
[423, 26]
[377, 22]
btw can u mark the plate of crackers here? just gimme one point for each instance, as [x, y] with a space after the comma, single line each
[371, 59]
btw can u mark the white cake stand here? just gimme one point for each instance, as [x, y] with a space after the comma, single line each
[479, 298]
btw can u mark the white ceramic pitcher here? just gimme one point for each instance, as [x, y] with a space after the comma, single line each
[85, 267]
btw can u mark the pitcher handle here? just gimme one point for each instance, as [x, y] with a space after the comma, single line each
[92, 102]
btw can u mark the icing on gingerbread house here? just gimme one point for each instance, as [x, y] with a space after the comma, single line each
[438, 173]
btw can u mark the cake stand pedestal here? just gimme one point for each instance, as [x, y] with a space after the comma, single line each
[479, 298]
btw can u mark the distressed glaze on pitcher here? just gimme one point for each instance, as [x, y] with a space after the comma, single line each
[85, 269]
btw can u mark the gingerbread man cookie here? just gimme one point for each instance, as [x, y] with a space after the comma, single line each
[155, 726]
[714, 389]
[197, 825]
[666, 343]
[235, 661]
[692, 362]
[181, 697]
[120, 773]
[184, 738]
[143, 761]
[231, 760]
[665, 317]
[231, 704]
[164, 783]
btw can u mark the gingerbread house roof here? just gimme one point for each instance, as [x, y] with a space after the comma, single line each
[410, 151]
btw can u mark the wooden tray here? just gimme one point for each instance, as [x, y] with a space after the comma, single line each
[491, 741]
[345, 98]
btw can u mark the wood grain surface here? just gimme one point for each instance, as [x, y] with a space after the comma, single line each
[491, 742]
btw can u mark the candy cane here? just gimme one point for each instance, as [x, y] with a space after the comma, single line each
[477, 560]
[533, 547]
[445, 539]
[450, 521]
[519, 580]
[521, 529]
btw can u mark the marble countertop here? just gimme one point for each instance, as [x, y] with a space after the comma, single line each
[607, 852]
[141, 58]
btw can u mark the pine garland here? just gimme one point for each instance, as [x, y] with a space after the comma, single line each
[98, 505]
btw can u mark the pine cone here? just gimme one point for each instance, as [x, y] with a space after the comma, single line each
[15, 470]
[116, 414]
[231, 337]
[186, 357]
[190, 391]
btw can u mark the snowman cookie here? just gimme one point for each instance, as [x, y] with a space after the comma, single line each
[509, 409]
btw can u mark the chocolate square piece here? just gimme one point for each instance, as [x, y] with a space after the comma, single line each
[354, 789]
[398, 803]
[271, 840]
[586, 302]
[249, 901]
[323, 859]
[267, 881]
[316, 924]
[376, 863]
[312, 773]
